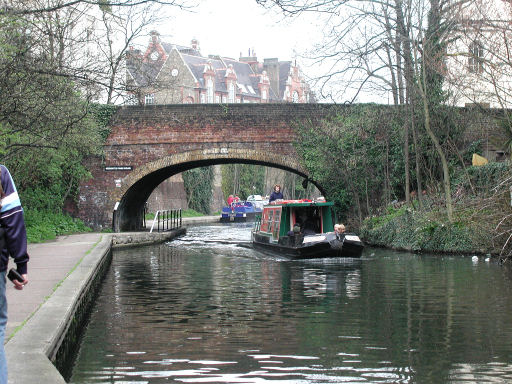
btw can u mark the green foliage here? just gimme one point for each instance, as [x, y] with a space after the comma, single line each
[47, 225]
[102, 114]
[474, 147]
[483, 178]
[420, 232]
[46, 126]
[242, 179]
[352, 153]
[488, 175]
[191, 213]
[184, 213]
[506, 126]
[198, 184]
[378, 220]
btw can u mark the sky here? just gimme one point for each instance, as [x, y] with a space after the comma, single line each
[231, 27]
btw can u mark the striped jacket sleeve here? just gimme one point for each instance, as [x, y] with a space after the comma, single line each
[11, 218]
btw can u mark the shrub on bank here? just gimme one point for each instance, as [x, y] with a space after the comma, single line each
[425, 232]
[43, 226]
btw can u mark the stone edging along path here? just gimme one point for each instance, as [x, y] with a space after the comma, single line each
[49, 336]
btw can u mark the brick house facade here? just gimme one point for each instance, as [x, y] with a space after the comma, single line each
[172, 74]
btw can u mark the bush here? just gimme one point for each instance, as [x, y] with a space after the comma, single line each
[423, 232]
[489, 175]
[43, 225]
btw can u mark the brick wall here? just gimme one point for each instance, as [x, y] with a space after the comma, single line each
[158, 141]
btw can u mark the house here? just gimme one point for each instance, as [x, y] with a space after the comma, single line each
[173, 74]
[479, 65]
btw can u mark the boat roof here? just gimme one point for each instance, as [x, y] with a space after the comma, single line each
[299, 203]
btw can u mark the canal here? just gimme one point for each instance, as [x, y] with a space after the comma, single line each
[206, 308]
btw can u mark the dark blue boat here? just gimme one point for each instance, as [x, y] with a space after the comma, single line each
[239, 212]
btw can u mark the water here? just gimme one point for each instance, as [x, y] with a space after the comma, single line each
[209, 309]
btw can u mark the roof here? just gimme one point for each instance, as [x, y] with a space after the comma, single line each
[144, 70]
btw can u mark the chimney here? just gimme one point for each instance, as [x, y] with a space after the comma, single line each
[271, 65]
[155, 36]
[252, 60]
[195, 44]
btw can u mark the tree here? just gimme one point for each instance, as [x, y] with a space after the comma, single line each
[120, 27]
[348, 153]
[198, 186]
[242, 179]
[391, 46]
[47, 83]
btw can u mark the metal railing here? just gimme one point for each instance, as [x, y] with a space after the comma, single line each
[167, 220]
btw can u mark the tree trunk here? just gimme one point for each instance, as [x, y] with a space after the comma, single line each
[418, 156]
[439, 149]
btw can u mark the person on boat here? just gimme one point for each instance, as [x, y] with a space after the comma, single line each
[339, 230]
[296, 230]
[230, 200]
[276, 194]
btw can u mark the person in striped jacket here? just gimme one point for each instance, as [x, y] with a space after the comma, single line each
[13, 242]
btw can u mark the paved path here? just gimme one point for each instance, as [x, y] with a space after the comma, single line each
[49, 264]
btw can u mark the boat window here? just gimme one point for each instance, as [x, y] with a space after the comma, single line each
[265, 220]
[270, 220]
[277, 222]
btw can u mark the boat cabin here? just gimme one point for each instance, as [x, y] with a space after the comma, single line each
[278, 218]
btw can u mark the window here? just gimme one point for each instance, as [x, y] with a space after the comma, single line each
[277, 223]
[217, 98]
[203, 98]
[264, 94]
[231, 93]
[295, 97]
[209, 87]
[132, 100]
[476, 57]
[149, 99]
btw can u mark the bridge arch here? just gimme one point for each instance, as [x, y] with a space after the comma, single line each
[138, 185]
[147, 144]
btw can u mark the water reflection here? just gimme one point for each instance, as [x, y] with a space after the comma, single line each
[208, 308]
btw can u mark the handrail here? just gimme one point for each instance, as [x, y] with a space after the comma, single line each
[173, 215]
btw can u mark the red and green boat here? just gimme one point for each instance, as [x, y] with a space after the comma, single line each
[273, 230]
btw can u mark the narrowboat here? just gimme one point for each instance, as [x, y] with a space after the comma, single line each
[273, 230]
[239, 212]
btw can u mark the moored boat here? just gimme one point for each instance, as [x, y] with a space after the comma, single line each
[240, 211]
[273, 230]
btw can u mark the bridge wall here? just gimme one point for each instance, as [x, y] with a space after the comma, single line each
[148, 144]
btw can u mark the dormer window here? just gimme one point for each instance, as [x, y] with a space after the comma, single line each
[208, 67]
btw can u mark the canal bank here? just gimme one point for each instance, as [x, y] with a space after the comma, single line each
[44, 318]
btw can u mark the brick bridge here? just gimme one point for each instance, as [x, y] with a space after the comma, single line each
[149, 144]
